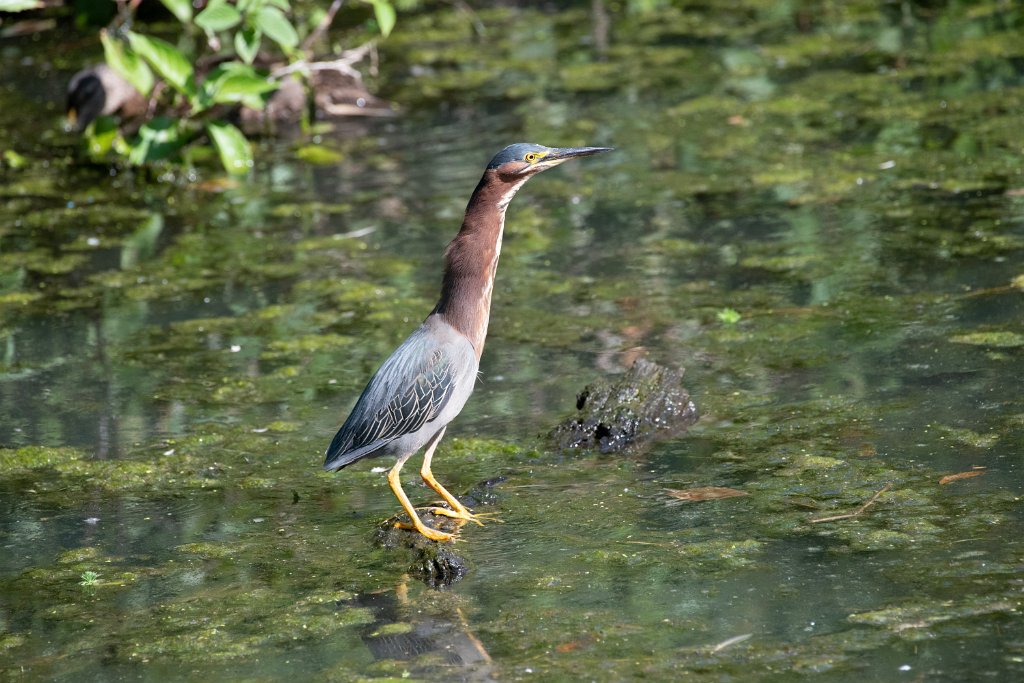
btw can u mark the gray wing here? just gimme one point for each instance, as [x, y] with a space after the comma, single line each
[411, 388]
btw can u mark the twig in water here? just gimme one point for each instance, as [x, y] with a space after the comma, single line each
[731, 641]
[856, 512]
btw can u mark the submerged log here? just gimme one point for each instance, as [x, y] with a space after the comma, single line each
[646, 404]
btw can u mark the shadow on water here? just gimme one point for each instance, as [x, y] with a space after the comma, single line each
[817, 212]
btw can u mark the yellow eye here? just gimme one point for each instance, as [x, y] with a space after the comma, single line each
[532, 157]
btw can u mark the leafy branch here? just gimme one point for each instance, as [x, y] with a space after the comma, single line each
[195, 100]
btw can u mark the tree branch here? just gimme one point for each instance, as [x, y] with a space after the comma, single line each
[342, 64]
[322, 26]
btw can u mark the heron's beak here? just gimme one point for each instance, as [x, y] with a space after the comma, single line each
[557, 155]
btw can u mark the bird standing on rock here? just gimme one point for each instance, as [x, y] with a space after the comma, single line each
[425, 383]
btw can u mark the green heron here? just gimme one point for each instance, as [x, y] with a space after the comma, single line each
[425, 383]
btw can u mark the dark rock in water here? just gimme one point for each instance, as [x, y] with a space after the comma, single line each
[647, 403]
[286, 105]
[341, 94]
[433, 561]
[483, 493]
[332, 94]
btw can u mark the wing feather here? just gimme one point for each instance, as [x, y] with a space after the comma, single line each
[411, 388]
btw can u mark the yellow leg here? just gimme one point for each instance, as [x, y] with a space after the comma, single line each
[396, 487]
[458, 511]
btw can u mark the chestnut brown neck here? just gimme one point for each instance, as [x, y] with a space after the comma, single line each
[471, 259]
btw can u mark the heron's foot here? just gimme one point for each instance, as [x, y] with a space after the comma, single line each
[465, 515]
[432, 534]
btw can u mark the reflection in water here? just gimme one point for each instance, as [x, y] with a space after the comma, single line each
[431, 644]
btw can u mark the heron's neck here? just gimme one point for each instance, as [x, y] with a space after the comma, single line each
[471, 260]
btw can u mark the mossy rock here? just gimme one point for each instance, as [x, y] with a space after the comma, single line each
[432, 561]
[646, 403]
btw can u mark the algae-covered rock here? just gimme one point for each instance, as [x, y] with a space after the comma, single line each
[646, 403]
[916, 616]
[1002, 339]
[36, 457]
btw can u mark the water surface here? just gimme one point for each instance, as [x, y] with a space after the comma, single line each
[177, 355]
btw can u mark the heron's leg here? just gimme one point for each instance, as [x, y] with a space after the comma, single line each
[458, 511]
[396, 487]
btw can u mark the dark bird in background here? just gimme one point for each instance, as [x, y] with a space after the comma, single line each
[425, 383]
[101, 91]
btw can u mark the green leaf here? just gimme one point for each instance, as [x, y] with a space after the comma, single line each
[157, 140]
[275, 24]
[19, 5]
[89, 579]
[317, 155]
[13, 159]
[247, 43]
[167, 60]
[245, 90]
[126, 63]
[384, 12]
[233, 82]
[101, 135]
[729, 316]
[218, 16]
[235, 151]
[182, 9]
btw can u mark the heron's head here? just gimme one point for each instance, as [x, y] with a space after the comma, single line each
[523, 159]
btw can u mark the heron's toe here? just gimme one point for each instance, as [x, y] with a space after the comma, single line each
[467, 516]
[432, 534]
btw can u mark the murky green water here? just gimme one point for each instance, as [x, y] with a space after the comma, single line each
[176, 356]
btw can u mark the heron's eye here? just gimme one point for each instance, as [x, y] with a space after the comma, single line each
[532, 157]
